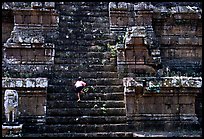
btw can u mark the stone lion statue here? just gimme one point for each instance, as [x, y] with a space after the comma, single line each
[11, 105]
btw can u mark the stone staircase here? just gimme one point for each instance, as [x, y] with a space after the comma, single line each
[100, 113]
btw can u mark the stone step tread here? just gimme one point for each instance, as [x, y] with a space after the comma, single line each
[85, 120]
[84, 109]
[78, 62]
[85, 104]
[98, 89]
[86, 128]
[92, 134]
[63, 84]
[92, 67]
[89, 101]
[90, 94]
[86, 112]
[89, 78]
[88, 97]
[103, 75]
[167, 134]
[80, 59]
[112, 82]
[84, 48]
[106, 117]
[82, 54]
[86, 65]
[86, 72]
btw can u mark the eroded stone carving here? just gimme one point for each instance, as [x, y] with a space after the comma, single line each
[11, 105]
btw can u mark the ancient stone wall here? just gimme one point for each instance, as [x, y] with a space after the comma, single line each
[170, 106]
[99, 41]
[28, 55]
[174, 31]
[179, 32]
[154, 41]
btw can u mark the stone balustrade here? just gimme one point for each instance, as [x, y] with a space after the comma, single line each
[175, 81]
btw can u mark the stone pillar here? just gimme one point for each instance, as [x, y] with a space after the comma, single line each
[129, 93]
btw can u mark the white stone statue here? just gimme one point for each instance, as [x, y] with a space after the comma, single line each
[11, 105]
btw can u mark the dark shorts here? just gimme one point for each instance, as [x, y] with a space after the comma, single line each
[78, 89]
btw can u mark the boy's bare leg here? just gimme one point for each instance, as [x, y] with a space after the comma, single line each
[78, 94]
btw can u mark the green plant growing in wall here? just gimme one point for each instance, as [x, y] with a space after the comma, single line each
[89, 89]
[104, 109]
[6, 74]
[112, 49]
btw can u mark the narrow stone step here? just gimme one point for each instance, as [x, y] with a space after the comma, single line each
[85, 67]
[86, 112]
[118, 96]
[64, 60]
[85, 120]
[89, 96]
[88, 74]
[86, 128]
[167, 134]
[93, 81]
[82, 54]
[33, 128]
[93, 134]
[69, 88]
[85, 104]
[72, 47]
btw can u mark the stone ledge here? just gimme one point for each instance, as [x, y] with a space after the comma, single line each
[24, 82]
[167, 134]
[174, 81]
[12, 131]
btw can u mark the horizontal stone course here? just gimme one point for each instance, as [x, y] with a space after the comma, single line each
[93, 134]
[91, 96]
[84, 28]
[86, 104]
[87, 128]
[86, 119]
[24, 82]
[86, 111]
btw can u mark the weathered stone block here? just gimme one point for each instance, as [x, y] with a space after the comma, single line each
[113, 20]
[46, 19]
[165, 40]
[30, 83]
[122, 21]
[12, 130]
[131, 103]
[41, 82]
[138, 40]
[157, 108]
[49, 5]
[35, 19]
[187, 109]
[195, 41]
[200, 41]
[186, 99]
[19, 83]
[54, 19]
[36, 4]
[27, 19]
[19, 19]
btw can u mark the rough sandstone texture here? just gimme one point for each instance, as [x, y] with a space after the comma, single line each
[102, 42]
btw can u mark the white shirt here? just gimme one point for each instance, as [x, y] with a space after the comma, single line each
[80, 83]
